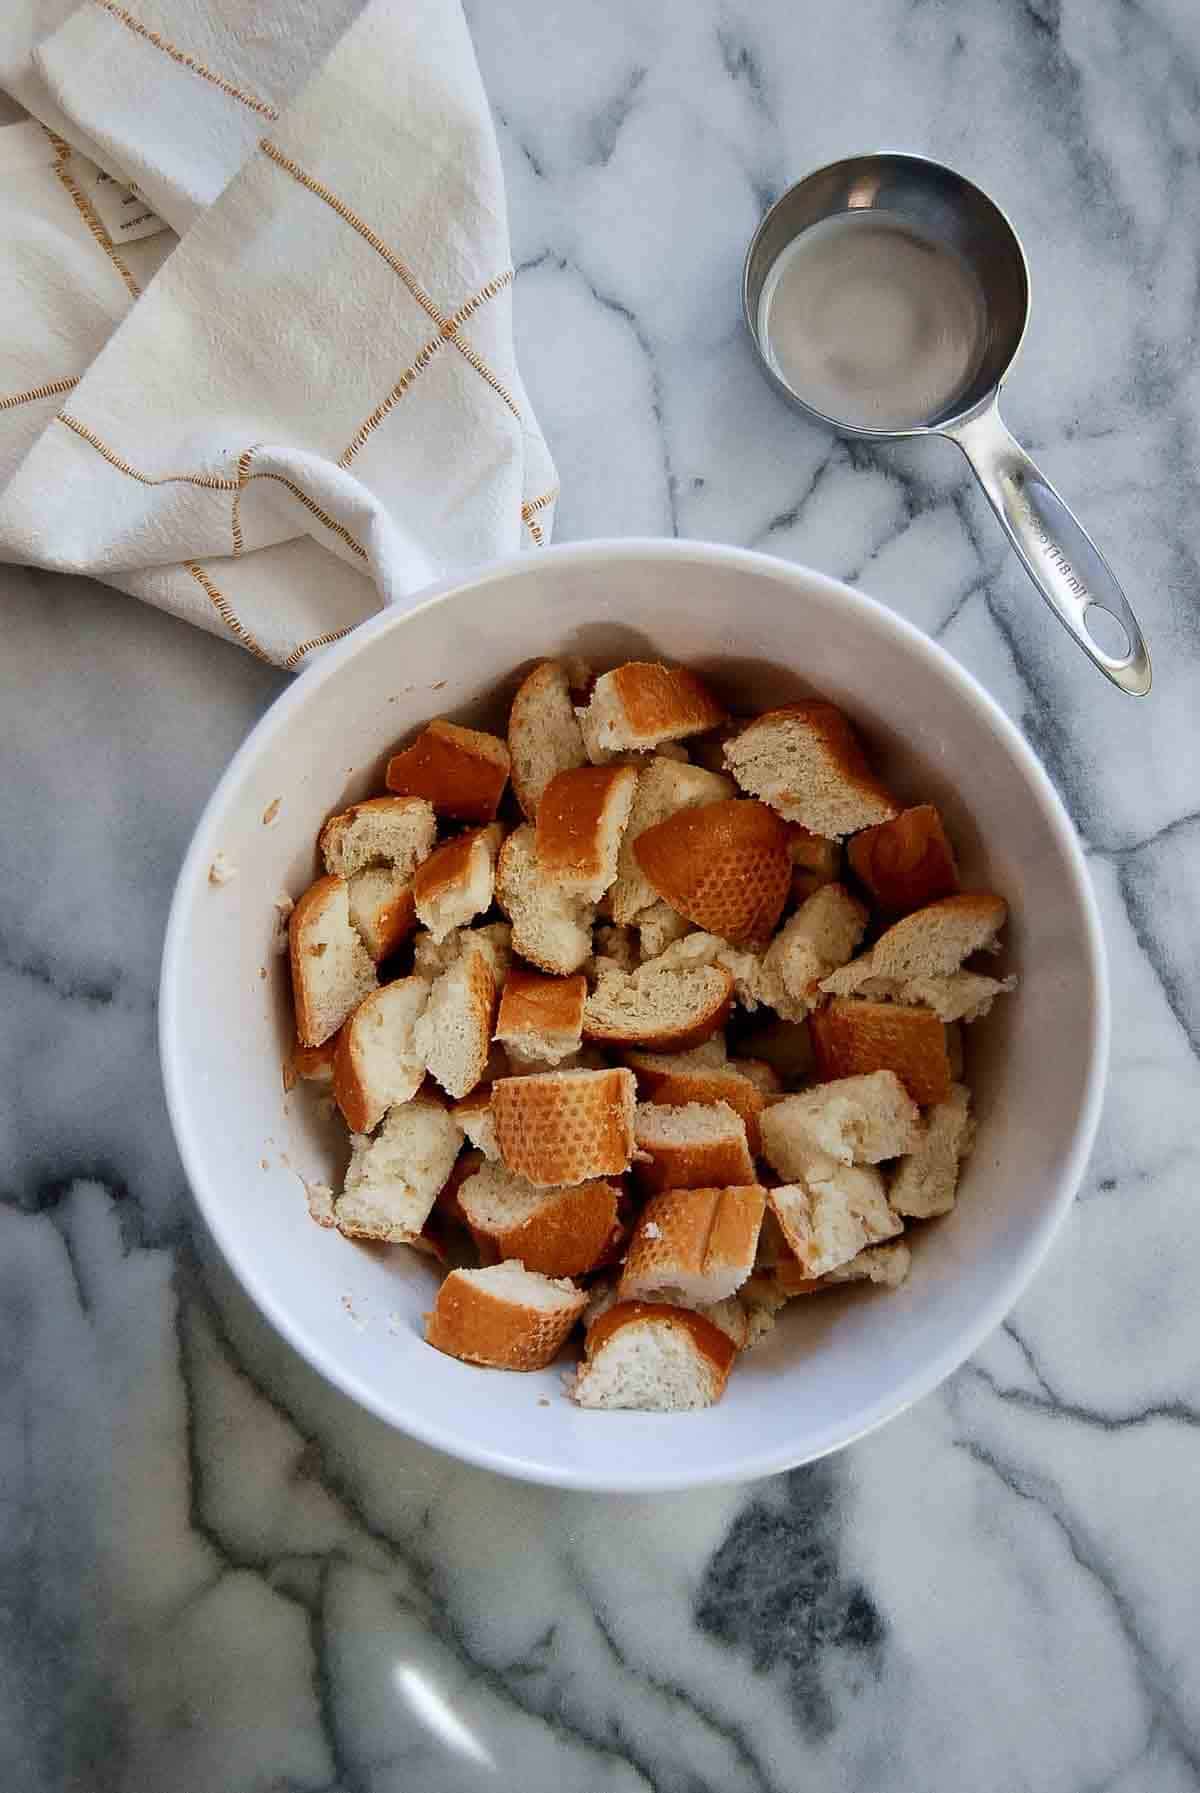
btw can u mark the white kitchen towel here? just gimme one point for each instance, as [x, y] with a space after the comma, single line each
[304, 403]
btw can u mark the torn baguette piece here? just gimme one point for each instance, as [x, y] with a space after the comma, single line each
[431, 957]
[851, 1037]
[828, 1217]
[541, 1017]
[462, 772]
[454, 1030]
[888, 1265]
[394, 1178]
[692, 1145]
[312, 1063]
[957, 996]
[382, 909]
[668, 1081]
[550, 927]
[925, 1181]
[695, 1246]
[668, 1010]
[394, 831]
[377, 1065]
[724, 865]
[456, 882]
[503, 1316]
[643, 703]
[562, 1231]
[558, 1127]
[331, 968]
[906, 863]
[822, 935]
[659, 927]
[474, 1115]
[815, 862]
[930, 943]
[663, 789]
[655, 1358]
[580, 821]
[856, 1120]
[806, 761]
[544, 736]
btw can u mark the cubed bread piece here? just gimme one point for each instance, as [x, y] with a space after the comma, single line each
[692, 1146]
[331, 968]
[462, 772]
[456, 883]
[764, 1077]
[851, 1037]
[820, 936]
[659, 927]
[828, 1219]
[565, 1126]
[695, 1246]
[544, 737]
[550, 927]
[724, 865]
[857, 1120]
[761, 1297]
[580, 821]
[454, 1031]
[661, 1081]
[312, 1063]
[888, 1265]
[786, 1046]
[474, 1115]
[806, 761]
[494, 938]
[395, 831]
[559, 1231]
[815, 862]
[653, 1357]
[702, 948]
[541, 1016]
[394, 1177]
[616, 950]
[925, 1181]
[905, 863]
[663, 789]
[958, 996]
[382, 909]
[667, 1010]
[377, 1064]
[642, 704]
[931, 942]
[504, 1316]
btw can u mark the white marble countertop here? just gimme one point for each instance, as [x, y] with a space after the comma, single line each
[220, 1575]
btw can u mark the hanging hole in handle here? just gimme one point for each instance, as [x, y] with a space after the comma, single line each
[1108, 632]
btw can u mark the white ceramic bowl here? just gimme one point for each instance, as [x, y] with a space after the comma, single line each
[763, 632]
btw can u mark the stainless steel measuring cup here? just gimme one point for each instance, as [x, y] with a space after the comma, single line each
[942, 230]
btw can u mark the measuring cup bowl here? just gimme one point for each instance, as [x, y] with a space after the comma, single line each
[940, 207]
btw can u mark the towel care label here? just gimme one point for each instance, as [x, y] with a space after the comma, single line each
[122, 210]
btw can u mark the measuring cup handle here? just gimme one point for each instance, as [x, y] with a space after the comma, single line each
[1055, 550]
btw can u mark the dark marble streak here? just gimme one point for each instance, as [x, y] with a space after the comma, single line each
[1170, 1717]
[777, 1591]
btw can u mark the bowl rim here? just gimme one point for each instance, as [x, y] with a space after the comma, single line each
[626, 1478]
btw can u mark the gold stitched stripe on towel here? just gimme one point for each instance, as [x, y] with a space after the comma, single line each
[62, 155]
[186, 61]
[446, 325]
[226, 612]
[306, 647]
[52, 389]
[212, 482]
